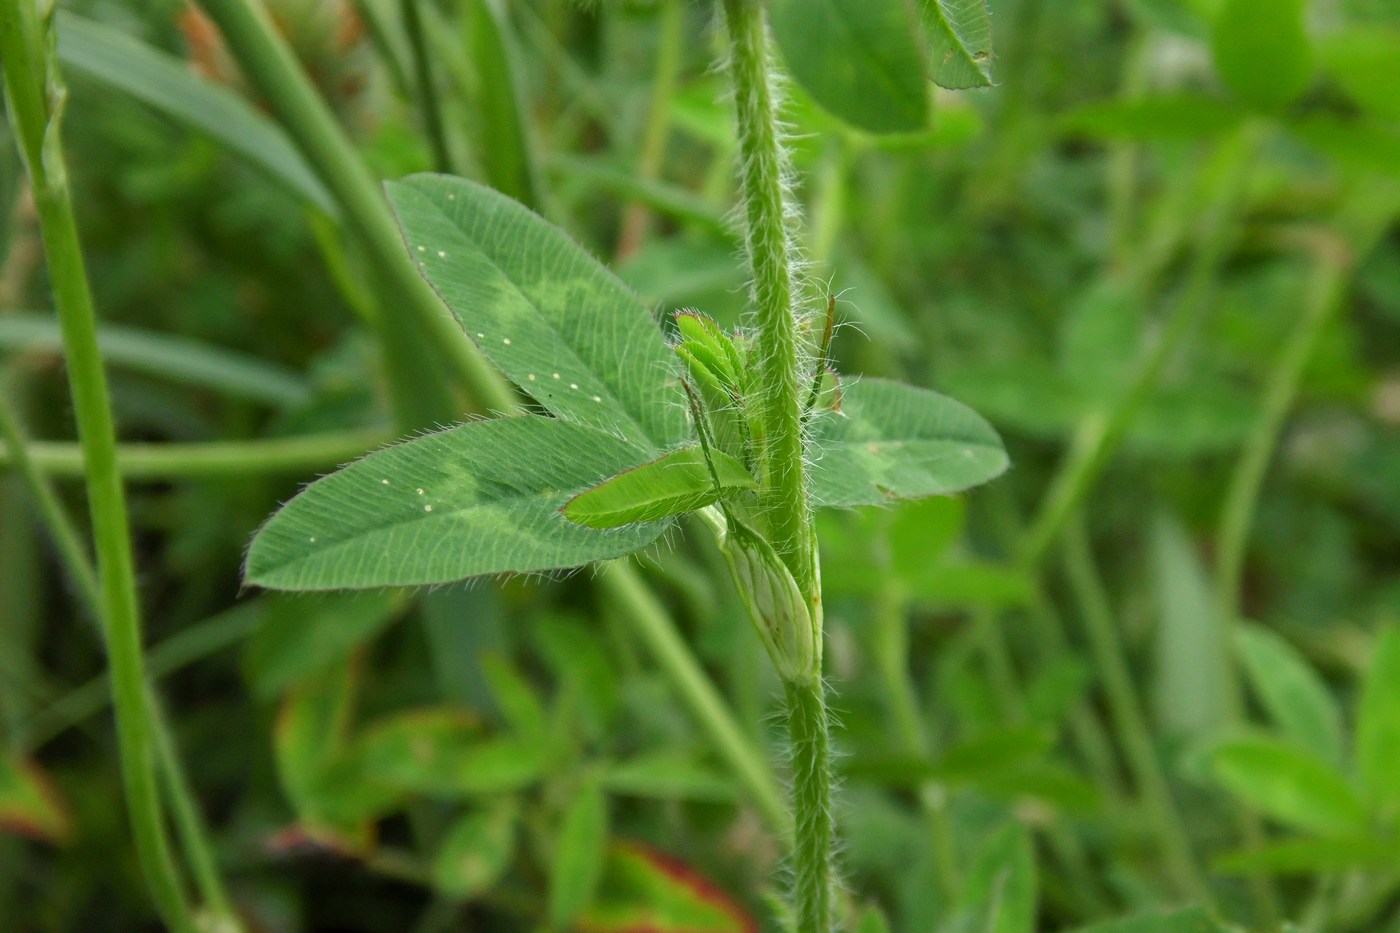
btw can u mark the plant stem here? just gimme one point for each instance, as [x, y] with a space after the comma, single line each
[269, 64]
[1099, 434]
[428, 103]
[783, 501]
[636, 221]
[189, 823]
[762, 167]
[651, 624]
[812, 860]
[1127, 712]
[36, 100]
[212, 458]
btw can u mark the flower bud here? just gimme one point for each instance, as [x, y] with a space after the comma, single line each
[775, 604]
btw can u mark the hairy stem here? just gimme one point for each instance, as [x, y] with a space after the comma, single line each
[762, 163]
[812, 861]
[35, 96]
[783, 501]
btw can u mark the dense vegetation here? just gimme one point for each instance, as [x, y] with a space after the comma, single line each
[1147, 679]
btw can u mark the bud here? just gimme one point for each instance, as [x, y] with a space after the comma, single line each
[774, 602]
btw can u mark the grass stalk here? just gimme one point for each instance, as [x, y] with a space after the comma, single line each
[272, 69]
[36, 96]
[636, 220]
[428, 103]
[1126, 709]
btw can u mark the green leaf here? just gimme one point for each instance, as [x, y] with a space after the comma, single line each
[1311, 856]
[1365, 60]
[1289, 784]
[667, 776]
[439, 752]
[559, 325]
[857, 58]
[999, 894]
[1174, 117]
[516, 698]
[188, 362]
[1189, 693]
[645, 890]
[1355, 145]
[476, 499]
[872, 921]
[673, 484]
[475, 852]
[29, 803]
[1189, 920]
[579, 851]
[961, 42]
[1292, 693]
[116, 60]
[1262, 51]
[1378, 725]
[894, 441]
[298, 637]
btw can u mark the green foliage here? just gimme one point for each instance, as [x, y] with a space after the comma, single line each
[961, 42]
[1262, 50]
[858, 59]
[672, 484]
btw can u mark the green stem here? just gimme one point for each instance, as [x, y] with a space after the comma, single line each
[1126, 708]
[1242, 492]
[812, 860]
[1099, 435]
[650, 623]
[36, 99]
[212, 458]
[637, 219]
[271, 67]
[188, 821]
[426, 87]
[762, 168]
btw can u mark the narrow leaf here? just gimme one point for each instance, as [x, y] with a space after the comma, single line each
[674, 484]
[1262, 51]
[894, 441]
[1000, 891]
[475, 852]
[643, 889]
[300, 636]
[1189, 693]
[1189, 920]
[1292, 693]
[1378, 725]
[29, 803]
[558, 324]
[116, 60]
[1289, 785]
[477, 499]
[960, 33]
[857, 58]
[579, 851]
[1311, 856]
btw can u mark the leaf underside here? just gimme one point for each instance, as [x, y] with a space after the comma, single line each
[960, 33]
[481, 498]
[676, 483]
[857, 58]
[556, 322]
[893, 441]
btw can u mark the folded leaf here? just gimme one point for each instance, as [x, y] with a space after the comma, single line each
[477, 499]
[557, 323]
[961, 47]
[893, 441]
[677, 483]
